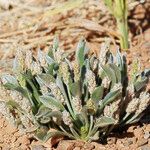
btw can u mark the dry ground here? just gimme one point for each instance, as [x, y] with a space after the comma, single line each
[32, 24]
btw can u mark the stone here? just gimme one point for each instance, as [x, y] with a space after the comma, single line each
[38, 147]
[147, 128]
[145, 147]
[111, 140]
[88, 146]
[98, 146]
[138, 132]
[146, 134]
[64, 144]
[128, 142]
[76, 148]
[25, 140]
[142, 142]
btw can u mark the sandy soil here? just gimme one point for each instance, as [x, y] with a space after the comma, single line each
[33, 26]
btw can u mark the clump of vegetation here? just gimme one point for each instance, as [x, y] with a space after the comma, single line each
[119, 9]
[84, 98]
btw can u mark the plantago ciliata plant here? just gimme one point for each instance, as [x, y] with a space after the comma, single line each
[119, 9]
[85, 98]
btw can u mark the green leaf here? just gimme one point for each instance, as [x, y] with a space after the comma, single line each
[117, 72]
[10, 79]
[98, 93]
[55, 44]
[140, 84]
[13, 104]
[45, 114]
[51, 102]
[41, 133]
[64, 92]
[80, 52]
[75, 88]
[111, 96]
[104, 121]
[95, 137]
[121, 63]
[20, 89]
[110, 73]
[54, 134]
[45, 79]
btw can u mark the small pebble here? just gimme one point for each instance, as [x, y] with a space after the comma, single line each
[146, 134]
[38, 147]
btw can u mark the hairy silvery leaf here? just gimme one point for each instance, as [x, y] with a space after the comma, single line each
[95, 137]
[45, 115]
[55, 44]
[14, 105]
[18, 88]
[104, 121]
[51, 102]
[111, 96]
[117, 72]
[9, 79]
[46, 79]
[49, 60]
[110, 73]
[80, 52]
[121, 63]
[75, 88]
[98, 93]
[140, 84]
[51, 134]
[41, 133]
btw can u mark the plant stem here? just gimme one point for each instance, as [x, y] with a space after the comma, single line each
[123, 30]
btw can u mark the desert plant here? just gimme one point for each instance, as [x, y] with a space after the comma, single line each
[84, 98]
[119, 9]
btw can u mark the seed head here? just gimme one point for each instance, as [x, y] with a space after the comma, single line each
[66, 118]
[116, 87]
[28, 59]
[76, 71]
[44, 89]
[106, 82]
[103, 52]
[64, 72]
[36, 68]
[22, 101]
[132, 105]
[5, 111]
[76, 102]
[91, 106]
[112, 110]
[144, 102]
[3, 92]
[20, 58]
[95, 64]
[3, 108]
[41, 59]
[58, 55]
[57, 92]
[130, 90]
[90, 77]
[26, 122]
